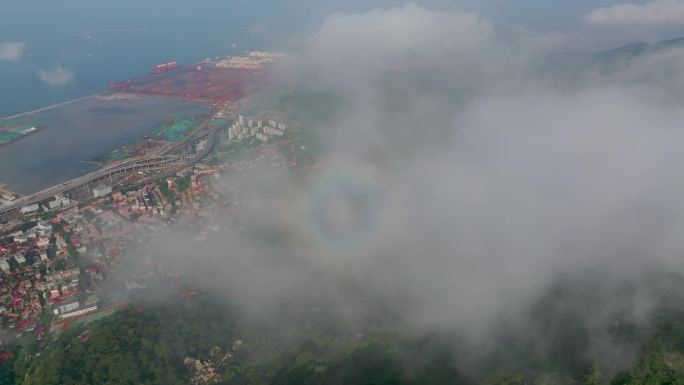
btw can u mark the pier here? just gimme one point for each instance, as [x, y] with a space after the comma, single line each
[47, 108]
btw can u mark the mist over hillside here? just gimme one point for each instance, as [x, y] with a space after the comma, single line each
[485, 212]
[479, 200]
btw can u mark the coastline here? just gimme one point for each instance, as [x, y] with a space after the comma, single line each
[4, 189]
[102, 96]
[117, 96]
[133, 117]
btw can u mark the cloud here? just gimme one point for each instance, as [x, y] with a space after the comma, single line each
[57, 76]
[653, 13]
[458, 186]
[398, 37]
[12, 50]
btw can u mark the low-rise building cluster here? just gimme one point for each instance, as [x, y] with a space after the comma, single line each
[52, 269]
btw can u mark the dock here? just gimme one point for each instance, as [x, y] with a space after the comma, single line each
[6, 192]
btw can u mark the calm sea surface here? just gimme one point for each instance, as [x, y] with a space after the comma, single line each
[97, 43]
[79, 132]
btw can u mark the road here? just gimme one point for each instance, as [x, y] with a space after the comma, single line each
[158, 160]
[127, 166]
[211, 138]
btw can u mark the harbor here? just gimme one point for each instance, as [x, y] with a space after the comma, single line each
[79, 131]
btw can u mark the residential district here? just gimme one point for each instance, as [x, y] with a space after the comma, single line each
[56, 260]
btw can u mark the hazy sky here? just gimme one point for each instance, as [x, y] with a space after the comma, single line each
[478, 185]
[23, 20]
[531, 179]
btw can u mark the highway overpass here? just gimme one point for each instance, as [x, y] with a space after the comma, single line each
[132, 165]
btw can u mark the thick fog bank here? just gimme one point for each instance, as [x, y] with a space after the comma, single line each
[458, 187]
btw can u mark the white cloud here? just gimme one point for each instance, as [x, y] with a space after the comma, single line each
[409, 35]
[477, 199]
[653, 13]
[11, 50]
[56, 76]
[475, 192]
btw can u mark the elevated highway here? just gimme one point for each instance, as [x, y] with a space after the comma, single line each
[133, 165]
[211, 138]
[162, 161]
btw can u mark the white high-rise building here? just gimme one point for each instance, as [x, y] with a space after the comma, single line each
[4, 266]
[101, 191]
[30, 208]
[272, 131]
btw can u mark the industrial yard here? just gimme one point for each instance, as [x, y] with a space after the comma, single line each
[219, 80]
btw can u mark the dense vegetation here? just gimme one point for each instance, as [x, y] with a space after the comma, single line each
[149, 342]
[136, 346]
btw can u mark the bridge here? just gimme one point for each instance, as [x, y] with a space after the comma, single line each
[162, 161]
[211, 138]
[153, 163]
